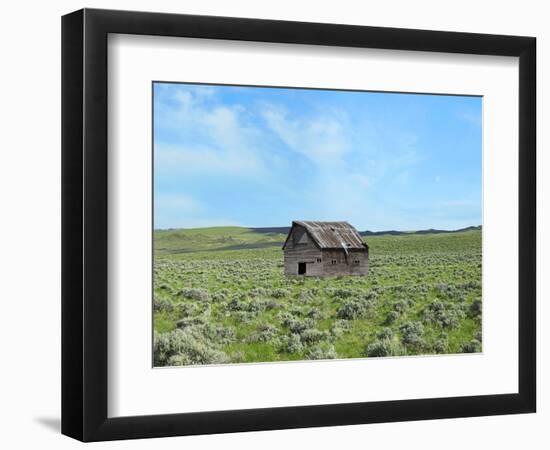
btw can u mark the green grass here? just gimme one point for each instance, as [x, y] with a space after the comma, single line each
[174, 242]
[220, 296]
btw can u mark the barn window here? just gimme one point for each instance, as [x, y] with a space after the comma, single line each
[333, 261]
[319, 259]
[356, 262]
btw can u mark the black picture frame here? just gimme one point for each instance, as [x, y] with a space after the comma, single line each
[84, 224]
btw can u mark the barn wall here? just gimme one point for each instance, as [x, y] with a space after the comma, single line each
[303, 253]
[363, 267]
[343, 267]
[307, 253]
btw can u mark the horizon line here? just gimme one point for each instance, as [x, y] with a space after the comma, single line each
[289, 226]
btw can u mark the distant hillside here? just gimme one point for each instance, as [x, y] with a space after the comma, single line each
[428, 231]
[215, 239]
[276, 230]
[285, 230]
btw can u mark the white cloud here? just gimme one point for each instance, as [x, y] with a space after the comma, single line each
[349, 157]
[224, 125]
[322, 139]
[215, 139]
[347, 160]
[199, 161]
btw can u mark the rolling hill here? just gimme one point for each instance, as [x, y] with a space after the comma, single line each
[214, 239]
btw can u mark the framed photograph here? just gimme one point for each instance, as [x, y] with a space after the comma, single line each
[272, 224]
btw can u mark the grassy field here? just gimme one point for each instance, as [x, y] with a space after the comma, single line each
[220, 296]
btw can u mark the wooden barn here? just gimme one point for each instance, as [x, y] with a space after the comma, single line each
[319, 249]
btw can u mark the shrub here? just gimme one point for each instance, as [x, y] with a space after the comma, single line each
[162, 348]
[219, 297]
[474, 346]
[312, 335]
[295, 324]
[479, 336]
[224, 335]
[271, 304]
[392, 317]
[321, 352]
[244, 317]
[440, 346]
[264, 333]
[350, 310]
[339, 327]
[184, 348]
[354, 308]
[298, 326]
[314, 313]
[411, 334]
[385, 333]
[370, 295]
[258, 292]
[341, 293]
[280, 293]
[256, 305]
[294, 343]
[475, 308]
[305, 295]
[162, 305]
[400, 306]
[187, 309]
[446, 315]
[443, 288]
[236, 305]
[378, 348]
[196, 294]
[383, 347]
[471, 285]
[295, 311]
[187, 322]
[238, 357]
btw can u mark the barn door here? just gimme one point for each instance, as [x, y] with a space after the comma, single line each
[302, 268]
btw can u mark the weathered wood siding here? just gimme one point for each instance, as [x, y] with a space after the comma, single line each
[335, 262]
[326, 262]
[307, 253]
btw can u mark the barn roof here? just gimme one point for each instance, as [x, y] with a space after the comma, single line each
[331, 235]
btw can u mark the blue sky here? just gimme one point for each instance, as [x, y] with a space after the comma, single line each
[262, 157]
